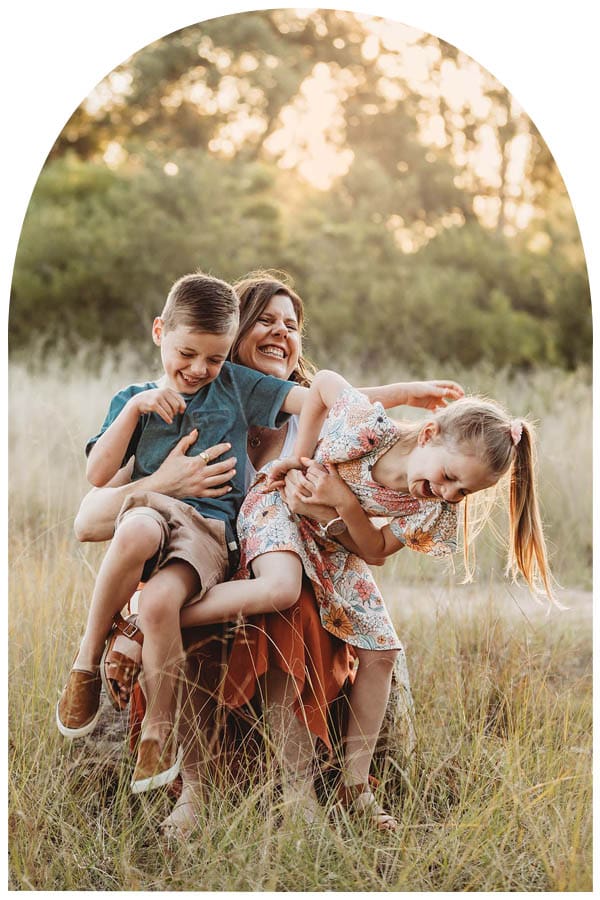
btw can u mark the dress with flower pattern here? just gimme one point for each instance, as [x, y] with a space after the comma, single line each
[355, 435]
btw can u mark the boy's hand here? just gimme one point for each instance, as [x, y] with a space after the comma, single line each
[165, 402]
[278, 471]
[433, 394]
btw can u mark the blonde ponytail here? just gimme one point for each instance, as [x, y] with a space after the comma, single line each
[527, 547]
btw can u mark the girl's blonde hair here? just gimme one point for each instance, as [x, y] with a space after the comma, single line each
[504, 444]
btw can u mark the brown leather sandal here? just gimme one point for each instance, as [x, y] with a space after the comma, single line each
[117, 670]
[359, 799]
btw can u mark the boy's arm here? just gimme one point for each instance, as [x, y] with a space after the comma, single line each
[108, 452]
[426, 394]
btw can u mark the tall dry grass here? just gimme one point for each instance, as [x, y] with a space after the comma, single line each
[498, 793]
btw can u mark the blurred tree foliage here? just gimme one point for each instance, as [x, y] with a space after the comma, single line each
[415, 252]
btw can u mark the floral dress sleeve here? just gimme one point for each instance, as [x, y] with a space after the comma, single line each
[353, 428]
[431, 530]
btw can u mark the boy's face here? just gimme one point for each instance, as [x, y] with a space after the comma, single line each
[191, 359]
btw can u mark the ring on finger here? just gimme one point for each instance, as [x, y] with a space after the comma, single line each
[204, 455]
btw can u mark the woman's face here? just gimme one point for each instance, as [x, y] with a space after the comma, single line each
[273, 344]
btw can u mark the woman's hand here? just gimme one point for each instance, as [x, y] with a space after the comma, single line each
[317, 492]
[298, 495]
[178, 476]
[325, 485]
[194, 476]
[432, 394]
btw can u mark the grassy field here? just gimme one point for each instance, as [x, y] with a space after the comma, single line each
[497, 794]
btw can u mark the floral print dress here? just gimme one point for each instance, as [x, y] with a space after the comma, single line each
[355, 435]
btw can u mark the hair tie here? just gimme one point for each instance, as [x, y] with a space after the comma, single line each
[516, 431]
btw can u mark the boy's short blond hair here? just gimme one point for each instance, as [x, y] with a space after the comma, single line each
[202, 303]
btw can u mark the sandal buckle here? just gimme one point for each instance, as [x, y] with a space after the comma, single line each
[129, 629]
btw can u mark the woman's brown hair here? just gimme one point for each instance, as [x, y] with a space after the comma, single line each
[254, 292]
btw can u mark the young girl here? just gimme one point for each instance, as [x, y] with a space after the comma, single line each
[413, 473]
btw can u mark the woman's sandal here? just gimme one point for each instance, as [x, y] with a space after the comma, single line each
[118, 671]
[359, 799]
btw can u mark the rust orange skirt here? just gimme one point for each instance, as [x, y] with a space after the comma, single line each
[230, 659]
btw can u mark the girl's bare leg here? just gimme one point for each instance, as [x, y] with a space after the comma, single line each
[368, 702]
[292, 742]
[276, 586]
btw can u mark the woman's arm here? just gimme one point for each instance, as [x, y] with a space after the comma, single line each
[178, 476]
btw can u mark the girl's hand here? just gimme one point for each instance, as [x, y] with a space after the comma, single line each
[165, 402]
[192, 476]
[433, 394]
[278, 471]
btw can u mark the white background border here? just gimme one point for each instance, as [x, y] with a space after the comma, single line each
[54, 53]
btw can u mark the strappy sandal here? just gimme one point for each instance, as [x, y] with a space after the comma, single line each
[117, 670]
[359, 799]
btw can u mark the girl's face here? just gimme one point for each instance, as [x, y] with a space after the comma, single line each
[437, 468]
[273, 344]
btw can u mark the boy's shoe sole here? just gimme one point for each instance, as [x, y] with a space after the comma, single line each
[156, 779]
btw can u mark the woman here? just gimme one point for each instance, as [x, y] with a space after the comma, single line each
[299, 666]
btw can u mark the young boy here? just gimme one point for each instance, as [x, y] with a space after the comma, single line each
[179, 548]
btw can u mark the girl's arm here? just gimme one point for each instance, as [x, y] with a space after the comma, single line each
[426, 394]
[314, 405]
[370, 542]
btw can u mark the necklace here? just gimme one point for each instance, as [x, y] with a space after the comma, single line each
[256, 439]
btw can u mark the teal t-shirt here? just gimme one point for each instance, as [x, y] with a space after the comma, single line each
[223, 410]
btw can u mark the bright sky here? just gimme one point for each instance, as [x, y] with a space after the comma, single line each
[311, 133]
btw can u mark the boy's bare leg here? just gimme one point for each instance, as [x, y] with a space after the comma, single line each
[162, 653]
[276, 586]
[137, 539]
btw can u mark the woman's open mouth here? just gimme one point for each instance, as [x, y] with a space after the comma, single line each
[273, 351]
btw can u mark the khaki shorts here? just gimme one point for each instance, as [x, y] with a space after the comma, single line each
[185, 535]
